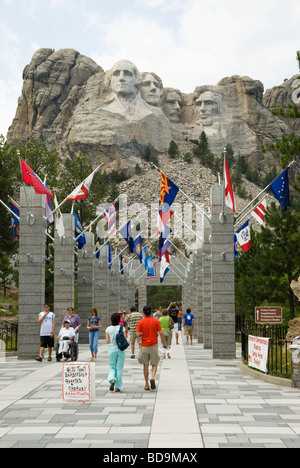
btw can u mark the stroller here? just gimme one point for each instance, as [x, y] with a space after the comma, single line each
[67, 348]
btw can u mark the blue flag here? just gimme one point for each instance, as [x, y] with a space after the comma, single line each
[151, 268]
[98, 248]
[78, 230]
[144, 257]
[126, 233]
[15, 223]
[121, 265]
[280, 188]
[137, 248]
[109, 256]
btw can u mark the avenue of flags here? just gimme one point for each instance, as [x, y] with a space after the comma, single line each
[168, 193]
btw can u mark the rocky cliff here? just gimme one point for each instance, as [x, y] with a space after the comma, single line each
[70, 103]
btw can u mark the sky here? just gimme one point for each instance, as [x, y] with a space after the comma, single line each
[187, 43]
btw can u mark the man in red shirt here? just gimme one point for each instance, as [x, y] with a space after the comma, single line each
[148, 329]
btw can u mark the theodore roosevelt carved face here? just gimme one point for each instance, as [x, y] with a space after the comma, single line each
[172, 104]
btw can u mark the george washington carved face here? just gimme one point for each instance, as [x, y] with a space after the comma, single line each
[125, 79]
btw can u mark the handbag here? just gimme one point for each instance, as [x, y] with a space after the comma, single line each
[122, 343]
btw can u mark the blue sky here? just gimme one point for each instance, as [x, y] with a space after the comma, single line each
[186, 42]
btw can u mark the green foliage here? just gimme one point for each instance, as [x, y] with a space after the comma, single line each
[162, 296]
[6, 271]
[173, 150]
[264, 274]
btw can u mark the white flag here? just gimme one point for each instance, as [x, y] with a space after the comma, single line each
[82, 190]
[259, 212]
[59, 223]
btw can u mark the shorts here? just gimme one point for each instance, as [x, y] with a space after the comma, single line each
[149, 354]
[47, 341]
[188, 330]
[175, 327]
[133, 337]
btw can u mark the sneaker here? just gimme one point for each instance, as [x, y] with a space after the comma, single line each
[49, 359]
[133, 356]
[39, 359]
[152, 384]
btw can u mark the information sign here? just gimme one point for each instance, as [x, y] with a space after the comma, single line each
[268, 315]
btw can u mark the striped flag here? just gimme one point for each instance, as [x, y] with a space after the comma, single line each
[110, 215]
[259, 212]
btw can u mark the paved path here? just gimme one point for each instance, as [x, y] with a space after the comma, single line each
[199, 402]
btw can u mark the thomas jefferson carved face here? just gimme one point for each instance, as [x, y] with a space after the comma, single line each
[207, 108]
[125, 79]
[151, 89]
[172, 105]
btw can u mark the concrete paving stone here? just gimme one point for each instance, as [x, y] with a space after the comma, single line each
[227, 407]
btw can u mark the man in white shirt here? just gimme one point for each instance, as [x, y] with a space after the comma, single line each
[66, 334]
[46, 321]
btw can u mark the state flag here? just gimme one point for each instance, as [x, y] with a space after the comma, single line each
[280, 188]
[31, 178]
[164, 266]
[229, 195]
[83, 188]
[259, 212]
[244, 237]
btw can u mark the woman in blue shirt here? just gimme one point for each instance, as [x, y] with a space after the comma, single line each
[94, 325]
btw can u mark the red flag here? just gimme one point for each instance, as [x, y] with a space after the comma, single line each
[31, 178]
[26, 172]
[229, 195]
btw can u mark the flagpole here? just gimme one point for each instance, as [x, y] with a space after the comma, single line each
[186, 196]
[8, 209]
[95, 220]
[66, 199]
[263, 191]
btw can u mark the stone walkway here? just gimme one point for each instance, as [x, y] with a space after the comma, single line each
[199, 403]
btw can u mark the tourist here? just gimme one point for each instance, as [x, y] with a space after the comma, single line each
[46, 321]
[94, 325]
[133, 319]
[167, 325]
[74, 321]
[188, 325]
[123, 321]
[116, 357]
[148, 329]
[65, 336]
[173, 311]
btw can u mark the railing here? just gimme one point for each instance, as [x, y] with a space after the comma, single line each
[9, 334]
[279, 357]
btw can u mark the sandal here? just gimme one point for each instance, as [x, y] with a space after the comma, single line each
[147, 388]
[112, 386]
[117, 390]
[152, 383]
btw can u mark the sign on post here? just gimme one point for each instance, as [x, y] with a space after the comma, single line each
[258, 349]
[268, 315]
[78, 382]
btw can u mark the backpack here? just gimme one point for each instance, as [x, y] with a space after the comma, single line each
[121, 340]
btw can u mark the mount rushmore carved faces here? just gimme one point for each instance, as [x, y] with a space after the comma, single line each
[172, 104]
[152, 89]
[207, 108]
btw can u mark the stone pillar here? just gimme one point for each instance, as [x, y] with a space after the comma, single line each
[206, 286]
[31, 272]
[114, 289]
[64, 264]
[222, 276]
[85, 284]
[199, 322]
